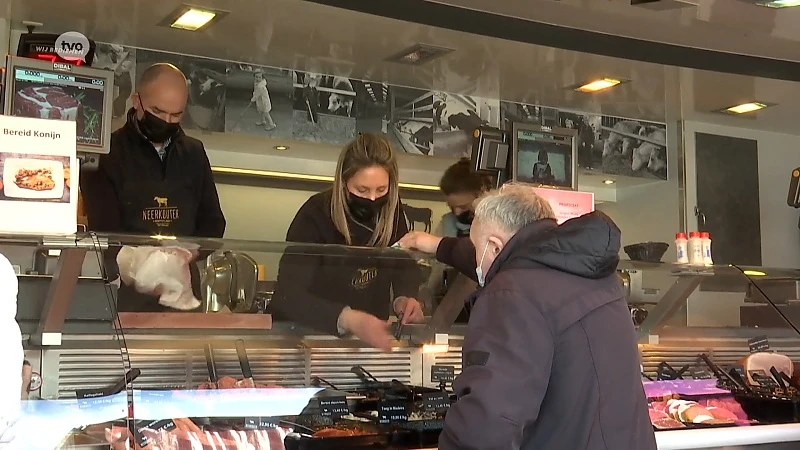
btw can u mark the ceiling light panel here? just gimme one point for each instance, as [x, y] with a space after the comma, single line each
[598, 85]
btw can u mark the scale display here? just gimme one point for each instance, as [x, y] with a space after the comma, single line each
[56, 91]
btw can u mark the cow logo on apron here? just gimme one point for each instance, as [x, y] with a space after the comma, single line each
[363, 278]
[162, 215]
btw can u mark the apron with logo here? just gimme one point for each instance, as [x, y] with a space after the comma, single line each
[157, 208]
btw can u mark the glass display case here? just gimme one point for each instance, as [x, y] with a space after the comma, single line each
[240, 372]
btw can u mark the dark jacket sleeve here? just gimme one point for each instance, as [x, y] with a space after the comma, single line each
[292, 300]
[407, 276]
[458, 253]
[507, 354]
[210, 219]
[100, 197]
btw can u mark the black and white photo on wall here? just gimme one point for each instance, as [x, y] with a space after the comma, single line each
[590, 147]
[511, 112]
[122, 61]
[455, 117]
[411, 119]
[323, 108]
[258, 101]
[205, 79]
[633, 148]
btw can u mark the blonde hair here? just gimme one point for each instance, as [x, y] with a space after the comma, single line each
[367, 150]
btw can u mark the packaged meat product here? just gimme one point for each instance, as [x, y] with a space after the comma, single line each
[761, 363]
[667, 423]
[655, 415]
[163, 271]
[692, 412]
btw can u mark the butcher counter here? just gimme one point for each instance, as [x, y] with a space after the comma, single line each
[79, 348]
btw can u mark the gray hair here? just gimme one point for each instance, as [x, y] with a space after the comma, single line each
[513, 206]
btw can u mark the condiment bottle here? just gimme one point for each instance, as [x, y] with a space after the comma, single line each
[695, 249]
[682, 246]
[706, 243]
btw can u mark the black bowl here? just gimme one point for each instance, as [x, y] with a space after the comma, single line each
[647, 251]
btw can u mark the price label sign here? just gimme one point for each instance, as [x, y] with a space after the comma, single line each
[392, 412]
[443, 374]
[701, 374]
[758, 344]
[258, 423]
[151, 427]
[92, 398]
[436, 401]
[333, 407]
[763, 380]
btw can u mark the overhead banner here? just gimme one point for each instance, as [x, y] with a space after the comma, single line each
[39, 169]
[567, 204]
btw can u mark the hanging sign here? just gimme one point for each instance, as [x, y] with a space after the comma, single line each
[39, 170]
[567, 204]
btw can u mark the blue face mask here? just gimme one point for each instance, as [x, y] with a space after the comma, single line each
[479, 269]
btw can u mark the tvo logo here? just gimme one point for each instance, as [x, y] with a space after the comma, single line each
[72, 46]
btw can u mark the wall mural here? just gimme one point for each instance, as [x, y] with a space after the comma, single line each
[285, 103]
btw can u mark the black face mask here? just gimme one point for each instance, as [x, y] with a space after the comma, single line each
[156, 129]
[365, 209]
[465, 217]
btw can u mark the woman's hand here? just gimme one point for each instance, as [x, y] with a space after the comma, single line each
[409, 310]
[366, 327]
[417, 240]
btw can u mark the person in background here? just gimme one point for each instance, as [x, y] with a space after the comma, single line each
[311, 99]
[550, 357]
[348, 290]
[461, 187]
[156, 180]
[542, 173]
[263, 102]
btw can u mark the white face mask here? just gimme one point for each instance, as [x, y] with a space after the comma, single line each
[479, 269]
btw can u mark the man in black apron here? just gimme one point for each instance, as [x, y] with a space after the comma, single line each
[156, 180]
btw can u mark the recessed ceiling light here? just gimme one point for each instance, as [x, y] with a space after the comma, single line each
[598, 85]
[778, 3]
[419, 54]
[193, 19]
[609, 181]
[746, 107]
[281, 147]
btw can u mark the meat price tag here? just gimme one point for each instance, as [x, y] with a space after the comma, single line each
[152, 426]
[443, 374]
[88, 398]
[391, 412]
[701, 374]
[258, 423]
[436, 401]
[763, 380]
[333, 407]
[758, 344]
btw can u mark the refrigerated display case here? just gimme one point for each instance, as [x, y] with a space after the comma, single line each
[241, 378]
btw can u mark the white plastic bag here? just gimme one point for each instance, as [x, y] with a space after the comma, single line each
[162, 271]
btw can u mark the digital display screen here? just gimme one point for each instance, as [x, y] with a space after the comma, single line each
[55, 95]
[544, 158]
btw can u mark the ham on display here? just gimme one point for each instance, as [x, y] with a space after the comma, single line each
[46, 102]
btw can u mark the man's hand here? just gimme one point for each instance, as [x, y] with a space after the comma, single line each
[368, 328]
[409, 310]
[417, 240]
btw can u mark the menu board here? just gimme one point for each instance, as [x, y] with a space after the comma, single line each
[39, 170]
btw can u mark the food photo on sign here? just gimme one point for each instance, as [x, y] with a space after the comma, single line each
[34, 178]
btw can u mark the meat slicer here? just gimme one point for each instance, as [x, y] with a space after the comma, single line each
[229, 282]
